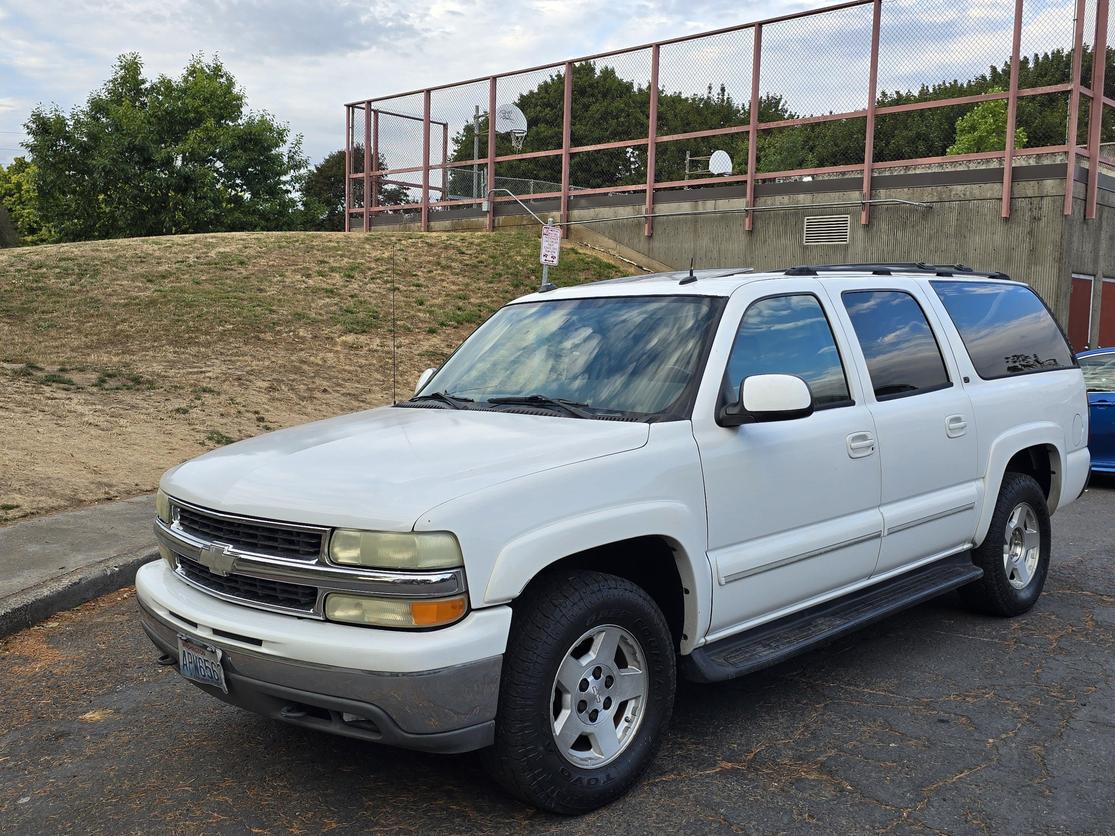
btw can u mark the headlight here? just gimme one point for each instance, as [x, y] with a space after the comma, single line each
[395, 612]
[391, 550]
[162, 507]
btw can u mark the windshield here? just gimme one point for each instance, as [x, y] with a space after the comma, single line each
[1099, 372]
[630, 355]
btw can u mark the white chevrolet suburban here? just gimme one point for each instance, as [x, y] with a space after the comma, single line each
[609, 485]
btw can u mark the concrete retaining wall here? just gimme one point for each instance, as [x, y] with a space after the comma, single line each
[1037, 243]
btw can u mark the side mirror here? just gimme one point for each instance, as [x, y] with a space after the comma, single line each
[768, 397]
[423, 379]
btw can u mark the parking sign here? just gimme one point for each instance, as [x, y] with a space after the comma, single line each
[551, 245]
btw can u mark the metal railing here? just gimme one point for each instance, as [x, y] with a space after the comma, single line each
[852, 89]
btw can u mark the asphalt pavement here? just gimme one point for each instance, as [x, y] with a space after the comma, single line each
[935, 720]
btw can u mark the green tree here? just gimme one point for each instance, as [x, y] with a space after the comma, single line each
[323, 191]
[19, 196]
[984, 128]
[610, 108]
[164, 156]
[8, 235]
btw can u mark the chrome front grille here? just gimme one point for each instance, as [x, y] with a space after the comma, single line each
[287, 541]
[257, 590]
[279, 566]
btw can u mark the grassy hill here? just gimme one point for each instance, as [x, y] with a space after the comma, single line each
[121, 358]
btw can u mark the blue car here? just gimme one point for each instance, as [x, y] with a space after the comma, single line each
[1099, 374]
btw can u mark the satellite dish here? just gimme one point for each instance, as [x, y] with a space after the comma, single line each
[720, 163]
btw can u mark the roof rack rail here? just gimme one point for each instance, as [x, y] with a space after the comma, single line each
[889, 268]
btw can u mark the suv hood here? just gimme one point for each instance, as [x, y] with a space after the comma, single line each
[383, 468]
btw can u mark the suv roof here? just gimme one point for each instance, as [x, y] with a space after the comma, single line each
[723, 281]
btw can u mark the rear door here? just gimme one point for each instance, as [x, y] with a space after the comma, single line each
[793, 505]
[923, 419]
[1101, 439]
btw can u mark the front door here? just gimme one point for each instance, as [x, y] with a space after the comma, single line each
[792, 505]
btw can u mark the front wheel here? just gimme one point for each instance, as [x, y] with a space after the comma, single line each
[586, 693]
[1015, 554]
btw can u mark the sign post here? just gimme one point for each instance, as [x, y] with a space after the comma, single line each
[550, 250]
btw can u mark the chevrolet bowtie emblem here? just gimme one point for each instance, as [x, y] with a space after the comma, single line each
[219, 559]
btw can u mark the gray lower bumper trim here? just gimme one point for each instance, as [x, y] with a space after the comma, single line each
[447, 710]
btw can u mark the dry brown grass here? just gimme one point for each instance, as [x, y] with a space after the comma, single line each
[119, 359]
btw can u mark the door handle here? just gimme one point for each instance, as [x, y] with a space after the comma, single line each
[955, 426]
[860, 445]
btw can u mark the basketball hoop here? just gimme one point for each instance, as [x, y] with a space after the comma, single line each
[510, 120]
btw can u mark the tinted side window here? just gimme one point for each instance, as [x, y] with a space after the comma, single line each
[902, 354]
[1006, 328]
[789, 335]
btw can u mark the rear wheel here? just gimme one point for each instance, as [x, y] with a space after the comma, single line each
[1015, 554]
[586, 693]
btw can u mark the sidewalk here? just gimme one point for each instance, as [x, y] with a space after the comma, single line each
[58, 561]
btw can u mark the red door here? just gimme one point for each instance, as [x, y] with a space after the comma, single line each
[1080, 312]
[1107, 314]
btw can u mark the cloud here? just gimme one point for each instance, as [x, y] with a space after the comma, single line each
[302, 61]
[298, 29]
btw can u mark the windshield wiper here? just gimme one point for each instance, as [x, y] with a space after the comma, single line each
[454, 401]
[577, 410]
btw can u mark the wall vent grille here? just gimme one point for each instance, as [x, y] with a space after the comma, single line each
[827, 229]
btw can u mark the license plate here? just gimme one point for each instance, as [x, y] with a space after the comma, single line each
[201, 663]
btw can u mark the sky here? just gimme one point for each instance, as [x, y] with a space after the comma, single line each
[301, 61]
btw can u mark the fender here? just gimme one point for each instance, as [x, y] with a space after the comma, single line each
[521, 559]
[1003, 448]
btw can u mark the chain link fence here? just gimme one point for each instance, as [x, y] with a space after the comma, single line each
[839, 92]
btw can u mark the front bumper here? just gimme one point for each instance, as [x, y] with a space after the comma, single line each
[434, 691]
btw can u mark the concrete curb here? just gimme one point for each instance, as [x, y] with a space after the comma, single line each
[30, 606]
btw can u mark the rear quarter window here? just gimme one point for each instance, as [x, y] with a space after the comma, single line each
[1006, 328]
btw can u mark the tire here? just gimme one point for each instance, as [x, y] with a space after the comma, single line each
[1015, 554]
[561, 673]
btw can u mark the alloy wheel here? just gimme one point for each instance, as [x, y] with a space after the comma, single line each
[1022, 546]
[599, 696]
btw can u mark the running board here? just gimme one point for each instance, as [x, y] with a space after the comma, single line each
[771, 643]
